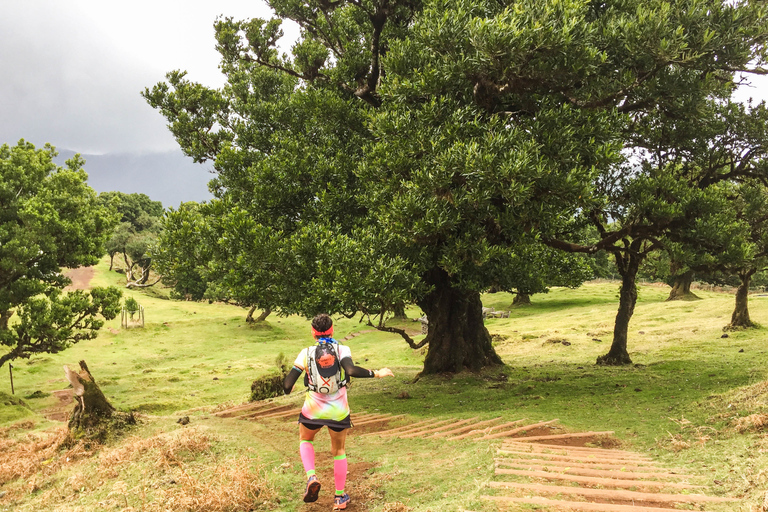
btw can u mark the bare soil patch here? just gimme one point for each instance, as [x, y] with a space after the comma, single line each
[61, 410]
[360, 485]
[81, 278]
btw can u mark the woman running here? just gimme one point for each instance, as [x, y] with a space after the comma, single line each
[327, 365]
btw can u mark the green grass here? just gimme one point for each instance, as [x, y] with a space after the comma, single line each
[678, 400]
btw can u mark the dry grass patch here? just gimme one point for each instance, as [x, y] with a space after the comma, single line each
[38, 453]
[27, 463]
[751, 423]
[690, 435]
[396, 506]
[169, 471]
[188, 476]
[168, 449]
[675, 443]
[229, 486]
[764, 506]
[754, 397]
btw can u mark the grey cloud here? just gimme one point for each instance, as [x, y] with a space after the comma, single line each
[71, 87]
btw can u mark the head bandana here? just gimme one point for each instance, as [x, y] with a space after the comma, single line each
[329, 332]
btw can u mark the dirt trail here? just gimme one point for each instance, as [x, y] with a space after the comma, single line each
[61, 410]
[81, 277]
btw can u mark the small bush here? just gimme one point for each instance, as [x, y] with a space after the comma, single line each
[267, 386]
[37, 394]
[270, 385]
[131, 305]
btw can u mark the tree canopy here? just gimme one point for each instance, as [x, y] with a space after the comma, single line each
[139, 224]
[413, 152]
[49, 218]
[678, 189]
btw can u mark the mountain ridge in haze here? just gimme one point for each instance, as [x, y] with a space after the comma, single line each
[169, 177]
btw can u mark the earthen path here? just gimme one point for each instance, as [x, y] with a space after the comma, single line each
[81, 277]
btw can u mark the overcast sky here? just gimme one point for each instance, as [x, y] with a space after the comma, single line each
[71, 72]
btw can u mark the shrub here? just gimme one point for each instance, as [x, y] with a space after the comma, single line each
[131, 305]
[271, 384]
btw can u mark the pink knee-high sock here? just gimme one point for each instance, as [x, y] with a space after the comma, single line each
[340, 473]
[307, 452]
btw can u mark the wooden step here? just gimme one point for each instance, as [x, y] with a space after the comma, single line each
[524, 428]
[580, 506]
[474, 432]
[242, 409]
[595, 469]
[269, 411]
[357, 423]
[595, 480]
[460, 430]
[574, 435]
[394, 431]
[615, 494]
[587, 458]
[438, 429]
[572, 451]
[420, 428]
[365, 416]
[361, 418]
[280, 415]
[558, 448]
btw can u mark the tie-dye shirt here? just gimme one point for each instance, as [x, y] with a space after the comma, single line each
[318, 406]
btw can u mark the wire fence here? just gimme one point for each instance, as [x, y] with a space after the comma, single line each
[130, 319]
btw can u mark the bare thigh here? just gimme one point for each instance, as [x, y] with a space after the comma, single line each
[338, 439]
[307, 434]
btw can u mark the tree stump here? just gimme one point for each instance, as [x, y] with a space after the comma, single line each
[93, 416]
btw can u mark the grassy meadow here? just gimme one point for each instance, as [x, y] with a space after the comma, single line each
[694, 400]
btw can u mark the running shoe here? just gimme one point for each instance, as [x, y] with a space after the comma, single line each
[341, 502]
[313, 489]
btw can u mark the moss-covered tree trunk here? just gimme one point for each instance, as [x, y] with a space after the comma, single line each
[399, 311]
[740, 317]
[681, 288]
[4, 317]
[521, 299]
[628, 264]
[457, 338]
[263, 316]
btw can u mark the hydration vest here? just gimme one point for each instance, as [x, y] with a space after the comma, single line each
[324, 372]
